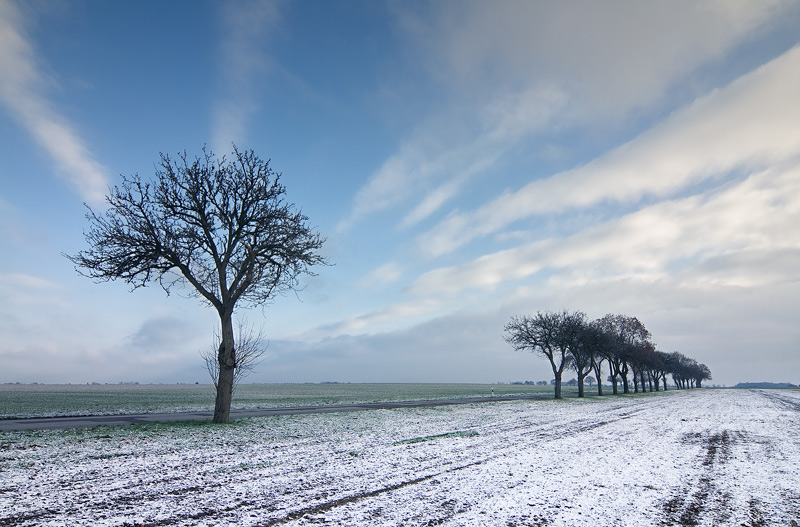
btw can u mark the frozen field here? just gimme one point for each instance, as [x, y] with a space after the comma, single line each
[705, 457]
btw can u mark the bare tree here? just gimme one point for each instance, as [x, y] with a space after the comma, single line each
[640, 356]
[220, 226]
[658, 368]
[583, 350]
[588, 355]
[548, 333]
[687, 372]
[628, 332]
[250, 350]
[702, 373]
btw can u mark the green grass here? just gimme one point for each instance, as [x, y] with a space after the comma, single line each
[21, 400]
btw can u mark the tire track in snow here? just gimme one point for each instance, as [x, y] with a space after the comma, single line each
[326, 506]
[554, 431]
[689, 512]
[194, 499]
[787, 402]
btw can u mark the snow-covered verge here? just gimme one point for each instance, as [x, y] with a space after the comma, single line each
[705, 457]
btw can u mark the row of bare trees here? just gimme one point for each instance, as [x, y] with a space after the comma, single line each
[622, 343]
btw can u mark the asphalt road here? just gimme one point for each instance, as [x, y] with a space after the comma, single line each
[60, 423]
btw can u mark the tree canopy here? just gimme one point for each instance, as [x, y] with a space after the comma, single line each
[219, 226]
[548, 333]
[569, 340]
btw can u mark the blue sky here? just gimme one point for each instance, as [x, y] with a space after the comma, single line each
[467, 161]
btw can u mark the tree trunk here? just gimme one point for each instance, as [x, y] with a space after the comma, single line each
[614, 371]
[227, 365]
[636, 377]
[581, 377]
[598, 373]
[557, 394]
[625, 387]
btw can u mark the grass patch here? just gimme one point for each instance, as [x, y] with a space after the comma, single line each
[461, 433]
[26, 400]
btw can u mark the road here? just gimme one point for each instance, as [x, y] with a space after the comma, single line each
[61, 423]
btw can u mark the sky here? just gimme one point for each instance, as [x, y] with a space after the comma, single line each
[467, 161]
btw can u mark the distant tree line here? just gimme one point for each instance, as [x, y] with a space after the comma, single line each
[572, 342]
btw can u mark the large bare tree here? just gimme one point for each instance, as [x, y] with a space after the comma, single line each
[548, 333]
[218, 228]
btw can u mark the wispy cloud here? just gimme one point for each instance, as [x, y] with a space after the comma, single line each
[389, 318]
[437, 161]
[162, 333]
[385, 274]
[245, 29]
[506, 74]
[739, 230]
[753, 122]
[584, 47]
[23, 92]
[745, 224]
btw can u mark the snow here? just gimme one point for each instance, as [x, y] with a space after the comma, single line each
[701, 457]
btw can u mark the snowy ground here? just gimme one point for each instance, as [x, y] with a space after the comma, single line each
[705, 457]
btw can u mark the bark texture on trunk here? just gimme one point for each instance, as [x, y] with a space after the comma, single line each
[625, 386]
[227, 365]
[598, 374]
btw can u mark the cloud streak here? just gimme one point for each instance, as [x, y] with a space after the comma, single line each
[245, 28]
[435, 166]
[744, 224]
[505, 64]
[751, 123]
[22, 92]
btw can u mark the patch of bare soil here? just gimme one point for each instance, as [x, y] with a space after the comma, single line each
[695, 501]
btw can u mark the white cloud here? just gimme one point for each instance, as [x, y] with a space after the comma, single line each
[245, 28]
[438, 160]
[465, 347]
[739, 235]
[17, 289]
[753, 122]
[22, 87]
[387, 273]
[611, 56]
[25, 282]
[752, 219]
[511, 69]
[389, 318]
[719, 325]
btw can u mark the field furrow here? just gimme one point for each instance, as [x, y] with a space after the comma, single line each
[706, 457]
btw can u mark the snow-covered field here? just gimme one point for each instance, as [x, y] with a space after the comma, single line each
[704, 457]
